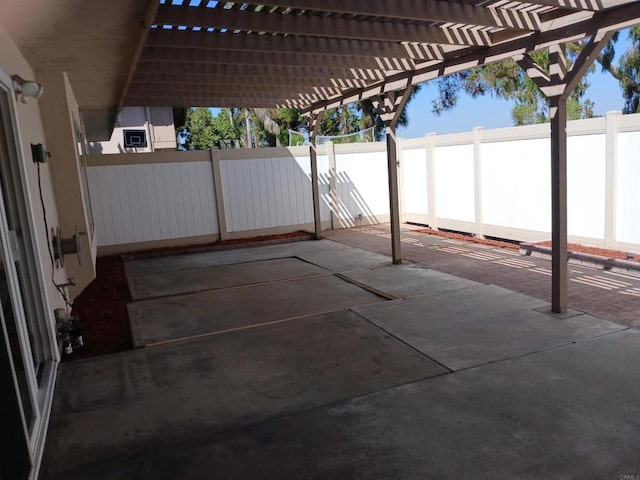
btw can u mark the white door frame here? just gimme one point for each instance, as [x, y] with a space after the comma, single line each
[28, 252]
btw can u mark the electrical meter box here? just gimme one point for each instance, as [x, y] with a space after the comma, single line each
[39, 153]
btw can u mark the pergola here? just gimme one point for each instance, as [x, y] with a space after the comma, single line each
[319, 54]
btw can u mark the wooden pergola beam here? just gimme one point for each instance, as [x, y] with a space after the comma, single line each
[315, 26]
[230, 57]
[225, 91]
[593, 5]
[255, 99]
[252, 42]
[421, 10]
[153, 79]
[187, 69]
[196, 101]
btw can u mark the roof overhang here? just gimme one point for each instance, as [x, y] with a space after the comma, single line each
[90, 40]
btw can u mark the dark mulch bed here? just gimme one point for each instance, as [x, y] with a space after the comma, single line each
[102, 305]
[602, 252]
[208, 247]
[469, 238]
[102, 310]
[574, 247]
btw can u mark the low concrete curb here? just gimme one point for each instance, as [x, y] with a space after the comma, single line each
[587, 259]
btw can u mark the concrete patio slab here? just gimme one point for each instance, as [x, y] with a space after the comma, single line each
[112, 406]
[187, 261]
[609, 295]
[345, 259]
[571, 412]
[172, 318]
[162, 284]
[477, 325]
[457, 380]
[408, 280]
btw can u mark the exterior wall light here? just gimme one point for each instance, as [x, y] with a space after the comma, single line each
[26, 88]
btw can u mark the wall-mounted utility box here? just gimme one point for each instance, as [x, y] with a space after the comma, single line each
[39, 153]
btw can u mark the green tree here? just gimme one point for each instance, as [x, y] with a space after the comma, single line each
[288, 119]
[202, 130]
[340, 121]
[269, 127]
[361, 116]
[228, 125]
[508, 81]
[627, 71]
[197, 133]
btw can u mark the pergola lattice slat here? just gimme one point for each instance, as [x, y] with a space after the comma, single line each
[271, 44]
[354, 49]
[229, 57]
[421, 10]
[311, 25]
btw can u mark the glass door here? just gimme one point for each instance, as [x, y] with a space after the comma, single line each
[27, 330]
[19, 376]
[26, 359]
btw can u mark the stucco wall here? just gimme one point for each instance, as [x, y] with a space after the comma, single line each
[30, 130]
[27, 128]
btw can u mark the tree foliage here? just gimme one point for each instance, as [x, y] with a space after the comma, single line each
[269, 127]
[340, 121]
[202, 130]
[507, 80]
[288, 119]
[627, 72]
[360, 116]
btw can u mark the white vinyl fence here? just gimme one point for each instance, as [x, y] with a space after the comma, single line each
[498, 182]
[486, 182]
[145, 202]
[162, 196]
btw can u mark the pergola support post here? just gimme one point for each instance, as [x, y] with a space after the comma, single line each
[394, 202]
[559, 257]
[389, 108]
[557, 85]
[315, 191]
